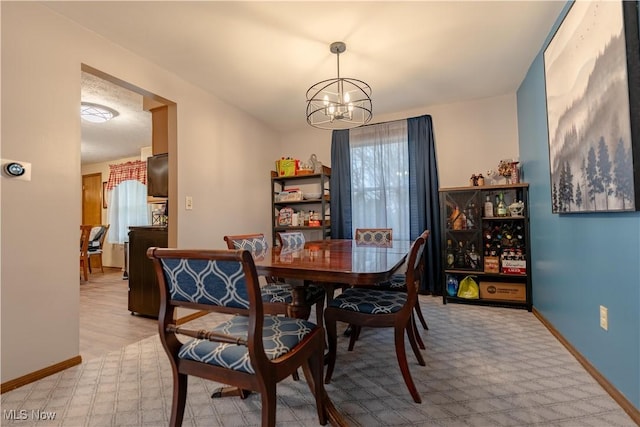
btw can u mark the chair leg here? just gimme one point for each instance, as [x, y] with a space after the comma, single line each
[411, 328]
[420, 315]
[320, 313]
[179, 399]
[404, 366]
[100, 261]
[85, 270]
[332, 338]
[312, 370]
[417, 332]
[269, 405]
[355, 334]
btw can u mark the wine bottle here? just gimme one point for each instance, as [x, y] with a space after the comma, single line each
[502, 206]
[450, 254]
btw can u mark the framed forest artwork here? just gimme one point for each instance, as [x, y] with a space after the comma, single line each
[592, 82]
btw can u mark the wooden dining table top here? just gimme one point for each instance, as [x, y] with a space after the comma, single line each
[335, 260]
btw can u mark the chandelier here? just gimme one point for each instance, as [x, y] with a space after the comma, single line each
[96, 113]
[340, 103]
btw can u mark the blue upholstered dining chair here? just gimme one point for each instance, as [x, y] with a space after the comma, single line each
[249, 350]
[291, 240]
[277, 294]
[374, 236]
[384, 236]
[380, 308]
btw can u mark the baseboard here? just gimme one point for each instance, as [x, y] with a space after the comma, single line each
[624, 403]
[39, 374]
[58, 367]
[190, 317]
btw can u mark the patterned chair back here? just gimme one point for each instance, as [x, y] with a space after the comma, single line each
[291, 240]
[254, 243]
[214, 280]
[374, 236]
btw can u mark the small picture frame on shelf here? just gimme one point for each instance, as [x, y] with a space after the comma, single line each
[285, 217]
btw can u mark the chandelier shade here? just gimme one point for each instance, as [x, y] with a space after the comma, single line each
[339, 103]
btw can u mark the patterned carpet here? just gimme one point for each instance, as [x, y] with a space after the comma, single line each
[485, 367]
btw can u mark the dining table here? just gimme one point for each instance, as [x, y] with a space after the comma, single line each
[332, 263]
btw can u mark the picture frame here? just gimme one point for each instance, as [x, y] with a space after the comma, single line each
[592, 91]
[104, 195]
[285, 217]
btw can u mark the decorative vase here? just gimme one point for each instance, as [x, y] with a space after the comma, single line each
[515, 173]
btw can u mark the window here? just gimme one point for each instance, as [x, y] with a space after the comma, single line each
[380, 177]
[128, 200]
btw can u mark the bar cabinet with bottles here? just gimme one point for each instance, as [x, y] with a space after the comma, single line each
[486, 236]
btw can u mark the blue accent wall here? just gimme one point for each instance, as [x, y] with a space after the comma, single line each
[580, 261]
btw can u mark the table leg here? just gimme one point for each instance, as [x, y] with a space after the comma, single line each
[299, 309]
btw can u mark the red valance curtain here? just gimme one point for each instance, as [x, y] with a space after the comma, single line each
[136, 171]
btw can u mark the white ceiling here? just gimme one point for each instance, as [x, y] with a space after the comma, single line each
[122, 136]
[262, 56]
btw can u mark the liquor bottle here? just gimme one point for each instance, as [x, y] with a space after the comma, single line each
[474, 258]
[488, 208]
[502, 206]
[460, 256]
[471, 215]
[451, 256]
[458, 219]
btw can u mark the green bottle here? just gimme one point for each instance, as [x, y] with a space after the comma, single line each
[501, 209]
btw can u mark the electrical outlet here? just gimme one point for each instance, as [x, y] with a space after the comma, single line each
[604, 318]
[188, 203]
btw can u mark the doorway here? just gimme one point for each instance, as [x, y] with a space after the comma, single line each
[127, 328]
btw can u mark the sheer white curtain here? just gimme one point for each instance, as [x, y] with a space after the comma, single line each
[380, 177]
[127, 207]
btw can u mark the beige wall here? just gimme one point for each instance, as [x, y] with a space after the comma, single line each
[219, 163]
[470, 137]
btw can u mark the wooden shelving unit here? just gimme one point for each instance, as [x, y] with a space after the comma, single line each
[321, 205]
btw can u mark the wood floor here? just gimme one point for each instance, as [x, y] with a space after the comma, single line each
[105, 322]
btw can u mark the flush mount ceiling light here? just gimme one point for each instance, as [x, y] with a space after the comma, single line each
[96, 113]
[340, 103]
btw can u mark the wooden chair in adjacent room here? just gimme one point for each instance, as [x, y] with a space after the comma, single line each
[85, 230]
[381, 309]
[96, 244]
[277, 294]
[250, 350]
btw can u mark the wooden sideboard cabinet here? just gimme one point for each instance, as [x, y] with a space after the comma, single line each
[144, 295]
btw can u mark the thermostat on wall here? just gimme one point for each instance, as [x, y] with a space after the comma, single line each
[16, 169]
